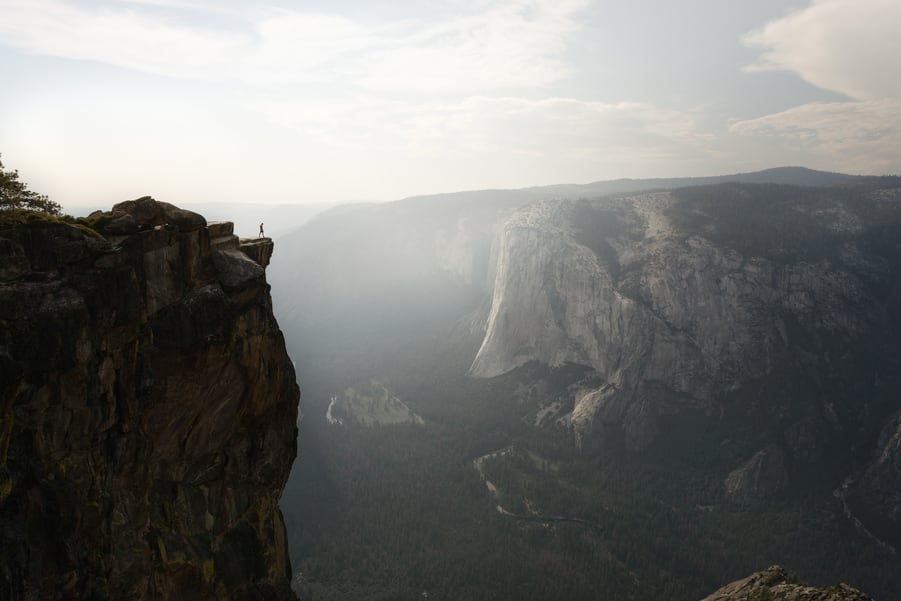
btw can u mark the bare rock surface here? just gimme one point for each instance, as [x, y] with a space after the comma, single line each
[682, 300]
[147, 414]
[258, 249]
[763, 473]
[775, 584]
[235, 268]
[877, 494]
[149, 212]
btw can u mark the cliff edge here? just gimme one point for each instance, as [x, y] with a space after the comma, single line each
[148, 410]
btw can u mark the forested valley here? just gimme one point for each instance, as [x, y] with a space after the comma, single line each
[707, 465]
[401, 511]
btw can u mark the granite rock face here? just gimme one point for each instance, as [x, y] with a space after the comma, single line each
[768, 309]
[258, 249]
[146, 211]
[764, 472]
[877, 494]
[775, 584]
[147, 413]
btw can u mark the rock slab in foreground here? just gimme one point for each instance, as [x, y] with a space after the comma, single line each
[147, 415]
[775, 584]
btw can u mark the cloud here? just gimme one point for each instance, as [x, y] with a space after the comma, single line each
[392, 148]
[857, 136]
[515, 44]
[273, 47]
[847, 46]
[481, 47]
[635, 137]
[121, 37]
[353, 108]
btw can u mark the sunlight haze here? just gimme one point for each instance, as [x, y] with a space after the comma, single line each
[196, 101]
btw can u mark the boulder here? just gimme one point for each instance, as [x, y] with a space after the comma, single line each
[220, 228]
[149, 212]
[235, 269]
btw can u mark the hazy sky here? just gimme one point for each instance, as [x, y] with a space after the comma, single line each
[195, 100]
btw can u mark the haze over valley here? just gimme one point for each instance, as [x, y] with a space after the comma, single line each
[643, 394]
[453, 300]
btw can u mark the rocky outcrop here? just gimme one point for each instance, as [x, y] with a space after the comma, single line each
[760, 476]
[147, 212]
[775, 584]
[147, 412]
[877, 494]
[756, 304]
[258, 249]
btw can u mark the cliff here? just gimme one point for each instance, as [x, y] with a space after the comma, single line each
[876, 495]
[727, 356]
[771, 310]
[147, 411]
[775, 584]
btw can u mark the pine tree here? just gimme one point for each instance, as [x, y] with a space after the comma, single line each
[14, 194]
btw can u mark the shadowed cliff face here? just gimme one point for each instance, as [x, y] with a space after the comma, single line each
[147, 412]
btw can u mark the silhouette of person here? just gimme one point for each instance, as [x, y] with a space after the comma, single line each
[261, 231]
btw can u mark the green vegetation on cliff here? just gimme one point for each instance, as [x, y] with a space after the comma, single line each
[14, 194]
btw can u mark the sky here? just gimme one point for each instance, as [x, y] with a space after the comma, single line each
[310, 101]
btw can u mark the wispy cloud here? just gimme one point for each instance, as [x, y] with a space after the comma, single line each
[467, 98]
[858, 136]
[119, 37]
[515, 44]
[506, 141]
[847, 46]
[478, 126]
[484, 47]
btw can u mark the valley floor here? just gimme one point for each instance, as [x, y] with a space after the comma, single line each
[477, 503]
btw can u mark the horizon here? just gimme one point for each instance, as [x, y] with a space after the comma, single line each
[286, 217]
[348, 102]
[315, 207]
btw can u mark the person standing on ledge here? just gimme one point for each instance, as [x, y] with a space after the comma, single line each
[261, 231]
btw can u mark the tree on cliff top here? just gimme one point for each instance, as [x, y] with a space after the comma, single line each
[16, 195]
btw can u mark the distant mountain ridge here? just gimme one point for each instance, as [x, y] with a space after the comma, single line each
[451, 235]
[740, 330]
[796, 176]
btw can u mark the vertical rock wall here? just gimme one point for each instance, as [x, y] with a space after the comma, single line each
[672, 316]
[147, 412]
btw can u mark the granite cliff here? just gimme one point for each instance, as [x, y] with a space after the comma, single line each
[772, 310]
[725, 356]
[147, 410]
